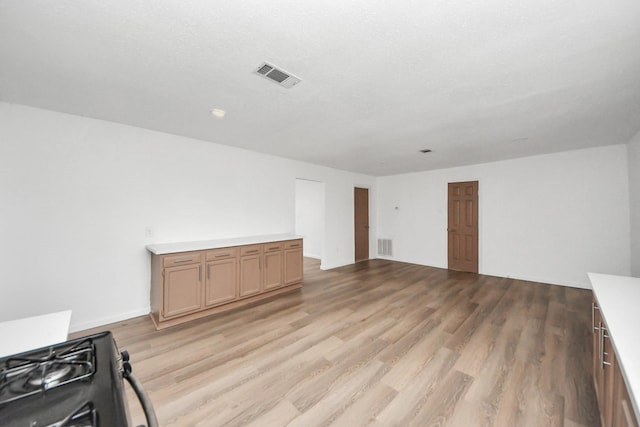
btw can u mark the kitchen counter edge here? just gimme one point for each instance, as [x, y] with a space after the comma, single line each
[175, 247]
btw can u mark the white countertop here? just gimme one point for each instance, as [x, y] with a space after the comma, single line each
[619, 301]
[169, 248]
[30, 333]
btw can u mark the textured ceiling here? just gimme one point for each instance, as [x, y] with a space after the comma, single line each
[381, 79]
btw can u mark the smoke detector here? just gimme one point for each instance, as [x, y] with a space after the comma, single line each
[278, 75]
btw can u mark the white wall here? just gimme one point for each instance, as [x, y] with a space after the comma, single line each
[549, 218]
[633, 151]
[76, 195]
[310, 216]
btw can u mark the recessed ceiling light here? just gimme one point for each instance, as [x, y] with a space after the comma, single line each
[426, 150]
[216, 112]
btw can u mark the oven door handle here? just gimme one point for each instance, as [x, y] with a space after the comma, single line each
[145, 402]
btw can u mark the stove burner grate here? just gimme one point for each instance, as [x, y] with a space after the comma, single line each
[22, 376]
[84, 416]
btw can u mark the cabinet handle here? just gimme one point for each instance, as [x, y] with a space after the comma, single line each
[274, 248]
[259, 263]
[200, 273]
[594, 307]
[252, 252]
[295, 246]
[208, 269]
[182, 260]
[601, 336]
[222, 255]
[604, 353]
[600, 343]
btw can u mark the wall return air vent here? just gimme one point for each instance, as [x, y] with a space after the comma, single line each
[385, 247]
[278, 75]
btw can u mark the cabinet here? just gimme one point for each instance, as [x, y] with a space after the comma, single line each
[182, 283]
[622, 407]
[250, 270]
[221, 276]
[611, 390]
[292, 261]
[273, 259]
[182, 290]
[192, 284]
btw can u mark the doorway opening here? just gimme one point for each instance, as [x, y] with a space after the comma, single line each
[309, 222]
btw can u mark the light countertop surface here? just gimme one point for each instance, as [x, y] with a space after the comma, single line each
[619, 301]
[169, 248]
[30, 333]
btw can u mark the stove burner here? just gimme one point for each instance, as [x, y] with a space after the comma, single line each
[83, 416]
[78, 383]
[25, 376]
[51, 378]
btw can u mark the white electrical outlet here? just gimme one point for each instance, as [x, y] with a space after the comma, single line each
[148, 231]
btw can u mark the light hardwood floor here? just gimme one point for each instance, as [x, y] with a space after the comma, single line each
[379, 343]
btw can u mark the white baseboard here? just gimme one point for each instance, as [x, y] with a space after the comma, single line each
[526, 278]
[81, 326]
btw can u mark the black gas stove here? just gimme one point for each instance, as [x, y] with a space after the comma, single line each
[78, 383]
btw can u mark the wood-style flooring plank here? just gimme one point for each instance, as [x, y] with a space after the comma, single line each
[378, 343]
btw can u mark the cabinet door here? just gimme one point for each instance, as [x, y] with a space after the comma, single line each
[292, 266]
[596, 320]
[221, 283]
[182, 290]
[604, 363]
[250, 277]
[608, 362]
[272, 270]
[623, 414]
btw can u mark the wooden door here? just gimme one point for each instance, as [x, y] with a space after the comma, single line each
[463, 226]
[361, 223]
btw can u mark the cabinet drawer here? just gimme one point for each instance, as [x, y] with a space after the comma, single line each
[182, 259]
[292, 244]
[250, 250]
[272, 247]
[222, 253]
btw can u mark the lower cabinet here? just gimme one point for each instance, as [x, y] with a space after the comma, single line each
[611, 389]
[293, 261]
[191, 285]
[221, 281]
[273, 277]
[623, 415]
[182, 290]
[250, 270]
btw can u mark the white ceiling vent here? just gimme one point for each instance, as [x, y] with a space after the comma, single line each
[277, 75]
